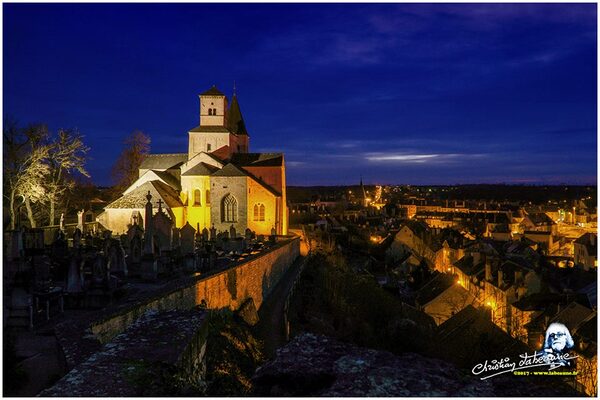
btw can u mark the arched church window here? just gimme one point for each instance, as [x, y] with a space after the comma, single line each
[197, 197]
[259, 212]
[207, 197]
[229, 209]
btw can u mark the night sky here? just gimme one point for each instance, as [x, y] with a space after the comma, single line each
[418, 94]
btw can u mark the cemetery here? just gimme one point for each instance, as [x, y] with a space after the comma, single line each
[86, 286]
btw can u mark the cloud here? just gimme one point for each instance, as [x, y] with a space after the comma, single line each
[419, 158]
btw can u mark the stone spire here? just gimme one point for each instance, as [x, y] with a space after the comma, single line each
[235, 121]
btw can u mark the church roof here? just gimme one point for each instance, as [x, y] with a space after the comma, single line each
[169, 179]
[200, 169]
[163, 161]
[137, 197]
[235, 121]
[209, 129]
[230, 170]
[213, 91]
[257, 159]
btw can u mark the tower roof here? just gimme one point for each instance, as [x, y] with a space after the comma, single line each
[213, 91]
[235, 121]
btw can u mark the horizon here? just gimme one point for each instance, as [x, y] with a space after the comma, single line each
[409, 94]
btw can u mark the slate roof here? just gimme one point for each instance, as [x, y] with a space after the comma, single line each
[137, 198]
[434, 288]
[213, 91]
[163, 161]
[169, 179]
[230, 170]
[257, 159]
[465, 264]
[201, 169]
[235, 121]
[541, 219]
[573, 316]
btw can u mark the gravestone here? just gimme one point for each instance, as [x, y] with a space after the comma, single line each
[116, 259]
[163, 228]
[148, 228]
[33, 240]
[232, 232]
[77, 238]
[175, 242]
[205, 235]
[187, 233]
[75, 276]
[213, 233]
[248, 234]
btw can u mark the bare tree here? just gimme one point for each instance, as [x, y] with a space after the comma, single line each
[25, 167]
[125, 170]
[67, 155]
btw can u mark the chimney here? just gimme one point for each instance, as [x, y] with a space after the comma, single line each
[488, 270]
[500, 278]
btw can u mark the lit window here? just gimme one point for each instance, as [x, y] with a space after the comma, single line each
[197, 197]
[259, 212]
[229, 209]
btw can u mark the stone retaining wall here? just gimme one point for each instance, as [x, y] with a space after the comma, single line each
[254, 279]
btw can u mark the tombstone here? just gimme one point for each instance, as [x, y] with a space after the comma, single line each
[273, 231]
[60, 247]
[33, 240]
[175, 243]
[232, 232]
[248, 234]
[187, 233]
[116, 259]
[41, 273]
[149, 228]
[99, 271]
[163, 228]
[136, 218]
[135, 249]
[225, 235]
[213, 233]
[75, 276]
[77, 238]
[205, 235]
[80, 220]
[15, 250]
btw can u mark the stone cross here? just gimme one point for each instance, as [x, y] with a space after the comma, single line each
[159, 204]
[149, 228]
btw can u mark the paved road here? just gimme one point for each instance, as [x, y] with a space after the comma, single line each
[271, 327]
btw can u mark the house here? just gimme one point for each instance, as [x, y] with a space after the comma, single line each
[586, 251]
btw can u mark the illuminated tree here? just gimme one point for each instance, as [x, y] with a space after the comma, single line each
[125, 170]
[67, 155]
[25, 166]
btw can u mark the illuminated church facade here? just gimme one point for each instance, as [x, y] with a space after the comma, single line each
[218, 182]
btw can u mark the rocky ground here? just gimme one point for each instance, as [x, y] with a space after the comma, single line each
[313, 365]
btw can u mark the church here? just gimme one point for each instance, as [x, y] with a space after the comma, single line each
[216, 183]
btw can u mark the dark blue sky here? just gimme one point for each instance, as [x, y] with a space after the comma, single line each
[419, 94]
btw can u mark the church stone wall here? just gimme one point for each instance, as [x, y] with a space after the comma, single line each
[237, 187]
[255, 279]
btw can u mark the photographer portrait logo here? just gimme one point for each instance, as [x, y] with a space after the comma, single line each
[555, 353]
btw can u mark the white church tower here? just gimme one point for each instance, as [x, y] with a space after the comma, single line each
[220, 126]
